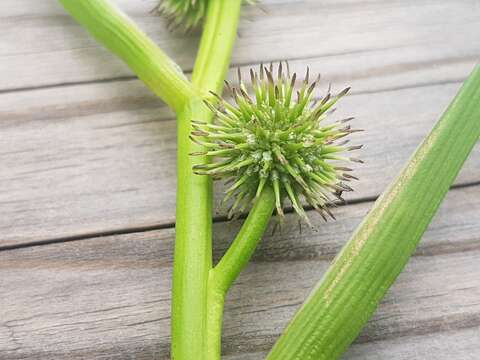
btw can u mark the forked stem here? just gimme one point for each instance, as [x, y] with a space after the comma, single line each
[191, 301]
[198, 289]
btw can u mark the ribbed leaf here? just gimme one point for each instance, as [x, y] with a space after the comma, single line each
[362, 273]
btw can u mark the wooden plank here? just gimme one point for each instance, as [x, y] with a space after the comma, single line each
[462, 344]
[459, 344]
[41, 46]
[91, 159]
[109, 297]
[84, 185]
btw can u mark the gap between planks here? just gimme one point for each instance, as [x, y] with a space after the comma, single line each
[350, 27]
[385, 115]
[233, 66]
[187, 71]
[107, 298]
[170, 225]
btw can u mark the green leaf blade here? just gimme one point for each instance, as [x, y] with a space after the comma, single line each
[362, 273]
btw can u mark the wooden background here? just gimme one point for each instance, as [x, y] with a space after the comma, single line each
[87, 180]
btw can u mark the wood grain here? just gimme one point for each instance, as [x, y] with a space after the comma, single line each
[452, 344]
[83, 160]
[41, 46]
[87, 168]
[106, 298]
[94, 158]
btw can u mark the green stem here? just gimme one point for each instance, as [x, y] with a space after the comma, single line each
[232, 263]
[193, 245]
[242, 248]
[362, 273]
[119, 34]
[218, 38]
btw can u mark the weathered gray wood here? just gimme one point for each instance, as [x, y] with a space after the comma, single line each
[106, 298]
[94, 158]
[453, 344]
[88, 159]
[100, 157]
[40, 45]
[457, 344]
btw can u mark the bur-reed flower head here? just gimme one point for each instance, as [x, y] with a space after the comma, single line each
[277, 136]
[186, 14]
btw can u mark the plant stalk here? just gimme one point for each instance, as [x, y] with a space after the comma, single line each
[335, 312]
[232, 263]
[193, 245]
[218, 38]
[112, 28]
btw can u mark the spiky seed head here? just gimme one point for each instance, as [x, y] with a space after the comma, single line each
[186, 14]
[277, 136]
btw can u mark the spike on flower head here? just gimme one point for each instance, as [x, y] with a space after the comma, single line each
[277, 136]
[186, 14]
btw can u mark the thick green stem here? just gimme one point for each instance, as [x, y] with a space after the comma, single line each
[362, 273]
[119, 34]
[218, 38]
[232, 263]
[193, 245]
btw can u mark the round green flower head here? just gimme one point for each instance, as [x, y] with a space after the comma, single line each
[277, 137]
[183, 13]
[186, 14]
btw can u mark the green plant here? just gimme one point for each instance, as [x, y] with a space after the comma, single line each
[279, 140]
[274, 146]
[382, 244]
